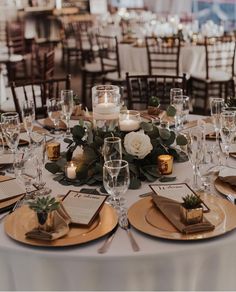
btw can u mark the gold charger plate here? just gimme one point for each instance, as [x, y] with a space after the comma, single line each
[7, 203]
[145, 217]
[224, 187]
[232, 154]
[24, 219]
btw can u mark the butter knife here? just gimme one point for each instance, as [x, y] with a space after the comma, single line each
[104, 248]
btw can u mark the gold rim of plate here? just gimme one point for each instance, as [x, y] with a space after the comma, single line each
[145, 217]
[24, 220]
[224, 187]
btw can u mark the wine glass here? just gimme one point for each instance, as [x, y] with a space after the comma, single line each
[40, 152]
[195, 151]
[11, 131]
[175, 92]
[28, 115]
[54, 107]
[67, 107]
[116, 181]
[112, 149]
[186, 109]
[177, 102]
[217, 105]
[227, 130]
[25, 168]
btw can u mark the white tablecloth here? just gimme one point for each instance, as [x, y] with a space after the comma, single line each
[160, 264]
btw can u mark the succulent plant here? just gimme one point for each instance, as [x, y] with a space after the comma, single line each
[44, 205]
[171, 111]
[191, 202]
[154, 101]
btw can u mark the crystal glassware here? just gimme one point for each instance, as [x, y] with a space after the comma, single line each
[67, 107]
[217, 106]
[195, 151]
[54, 108]
[178, 104]
[25, 168]
[11, 131]
[28, 115]
[112, 149]
[116, 181]
[227, 130]
[175, 92]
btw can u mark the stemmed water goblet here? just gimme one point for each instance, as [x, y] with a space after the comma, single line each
[54, 108]
[217, 106]
[177, 102]
[67, 107]
[112, 149]
[11, 131]
[28, 115]
[116, 181]
[185, 110]
[195, 151]
[227, 130]
[25, 168]
[175, 92]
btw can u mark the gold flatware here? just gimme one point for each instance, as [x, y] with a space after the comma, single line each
[104, 248]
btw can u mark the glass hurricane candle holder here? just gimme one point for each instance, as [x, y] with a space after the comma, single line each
[106, 107]
[70, 170]
[129, 120]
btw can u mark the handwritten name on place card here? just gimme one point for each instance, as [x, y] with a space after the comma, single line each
[82, 207]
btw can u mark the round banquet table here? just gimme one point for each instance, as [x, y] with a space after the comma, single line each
[159, 265]
[134, 59]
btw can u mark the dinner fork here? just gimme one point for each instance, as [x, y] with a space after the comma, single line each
[124, 223]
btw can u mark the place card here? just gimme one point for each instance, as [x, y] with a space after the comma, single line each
[175, 192]
[83, 207]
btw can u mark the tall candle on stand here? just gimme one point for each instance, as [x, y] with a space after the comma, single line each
[106, 107]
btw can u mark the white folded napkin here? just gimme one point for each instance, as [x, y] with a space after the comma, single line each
[228, 175]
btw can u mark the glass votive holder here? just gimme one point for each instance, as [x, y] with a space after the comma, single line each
[129, 120]
[106, 107]
[53, 150]
[70, 170]
[165, 163]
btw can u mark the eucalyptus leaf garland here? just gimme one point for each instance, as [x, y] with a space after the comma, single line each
[90, 163]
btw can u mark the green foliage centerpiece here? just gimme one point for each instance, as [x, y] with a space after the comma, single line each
[140, 149]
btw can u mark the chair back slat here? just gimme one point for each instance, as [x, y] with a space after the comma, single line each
[163, 55]
[141, 87]
[109, 53]
[39, 92]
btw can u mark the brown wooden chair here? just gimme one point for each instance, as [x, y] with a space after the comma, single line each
[43, 63]
[16, 63]
[106, 64]
[218, 78]
[39, 92]
[163, 55]
[141, 87]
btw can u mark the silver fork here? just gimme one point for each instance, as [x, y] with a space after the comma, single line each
[124, 223]
[107, 242]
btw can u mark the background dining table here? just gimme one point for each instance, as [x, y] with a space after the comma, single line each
[159, 265]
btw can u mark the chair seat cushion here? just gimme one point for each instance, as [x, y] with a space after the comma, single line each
[215, 75]
[93, 67]
[113, 76]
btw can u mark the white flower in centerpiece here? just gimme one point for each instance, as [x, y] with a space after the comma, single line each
[138, 144]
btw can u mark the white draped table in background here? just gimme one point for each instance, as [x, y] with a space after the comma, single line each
[160, 264]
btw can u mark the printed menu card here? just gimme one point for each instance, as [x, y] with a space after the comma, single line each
[83, 207]
[175, 192]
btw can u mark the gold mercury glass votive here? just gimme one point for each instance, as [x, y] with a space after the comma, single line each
[165, 163]
[53, 150]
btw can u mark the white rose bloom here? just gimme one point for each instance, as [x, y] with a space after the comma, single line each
[138, 144]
